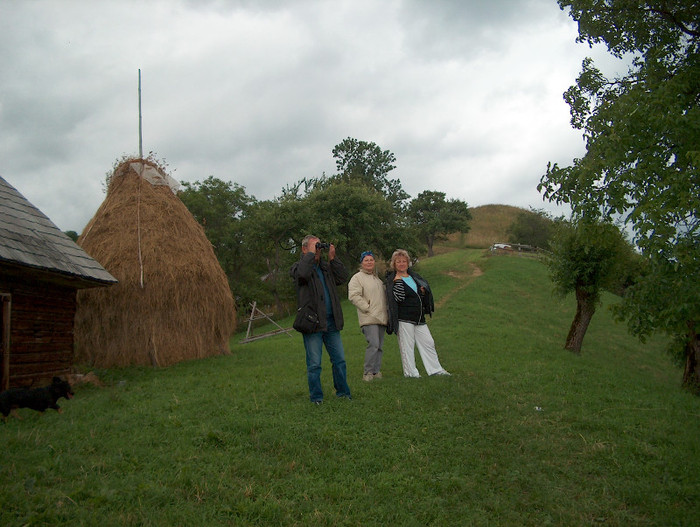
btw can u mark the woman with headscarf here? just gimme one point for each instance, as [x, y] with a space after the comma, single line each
[366, 292]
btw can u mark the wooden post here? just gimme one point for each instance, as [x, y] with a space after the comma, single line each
[140, 121]
[256, 314]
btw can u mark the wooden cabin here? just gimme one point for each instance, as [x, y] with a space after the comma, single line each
[41, 270]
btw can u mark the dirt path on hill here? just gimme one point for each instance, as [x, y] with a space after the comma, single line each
[465, 278]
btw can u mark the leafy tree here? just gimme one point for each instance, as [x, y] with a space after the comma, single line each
[586, 258]
[369, 164]
[661, 298]
[532, 227]
[72, 235]
[356, 218]
[271, 230]
[303, 187]
[642, 155]
[351, 216]
[434, 217]
[219, 207]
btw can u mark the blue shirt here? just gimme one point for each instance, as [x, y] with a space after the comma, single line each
[326, 293]
[410, 282]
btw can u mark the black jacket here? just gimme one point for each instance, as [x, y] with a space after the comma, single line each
[310, 289]
[414, 307]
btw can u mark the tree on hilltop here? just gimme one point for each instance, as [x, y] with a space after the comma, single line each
[533, 227]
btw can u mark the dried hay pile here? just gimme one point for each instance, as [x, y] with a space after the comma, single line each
[172, 302]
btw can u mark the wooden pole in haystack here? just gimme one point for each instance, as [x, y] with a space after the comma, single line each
[140, 121]
[138, 208]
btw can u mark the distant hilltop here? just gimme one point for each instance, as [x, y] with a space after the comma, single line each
[489, 225]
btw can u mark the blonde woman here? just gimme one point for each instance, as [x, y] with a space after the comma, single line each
[366, 292]
[409, 299]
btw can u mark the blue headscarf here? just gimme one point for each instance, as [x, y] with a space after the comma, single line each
[366, 253]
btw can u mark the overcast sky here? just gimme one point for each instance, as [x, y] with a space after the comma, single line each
[466, 94]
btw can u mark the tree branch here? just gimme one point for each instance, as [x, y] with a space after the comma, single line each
[671, 17]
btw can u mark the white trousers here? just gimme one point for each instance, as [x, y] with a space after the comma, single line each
[411, 335]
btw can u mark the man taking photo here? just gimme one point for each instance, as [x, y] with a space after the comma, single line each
[319, 314]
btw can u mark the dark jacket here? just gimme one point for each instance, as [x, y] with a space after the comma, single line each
[310, 289]
[414, 306]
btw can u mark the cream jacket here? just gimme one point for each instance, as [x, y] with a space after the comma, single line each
[366, 292]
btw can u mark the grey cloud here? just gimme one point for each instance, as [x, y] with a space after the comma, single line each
[260, 92]
[447, 28]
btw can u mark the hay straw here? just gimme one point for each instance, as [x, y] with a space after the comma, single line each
[184, 310]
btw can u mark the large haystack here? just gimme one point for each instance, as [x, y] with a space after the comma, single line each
[173, 301]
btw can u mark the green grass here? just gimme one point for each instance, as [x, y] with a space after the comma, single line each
[523, 433]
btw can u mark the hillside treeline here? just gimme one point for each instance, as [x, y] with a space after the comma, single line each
[356, 209]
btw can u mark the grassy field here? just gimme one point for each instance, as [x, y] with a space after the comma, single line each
[523, 433]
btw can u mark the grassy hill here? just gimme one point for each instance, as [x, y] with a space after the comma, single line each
[523, 433]
[488, 226]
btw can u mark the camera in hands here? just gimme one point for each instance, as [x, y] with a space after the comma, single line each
[322, 245]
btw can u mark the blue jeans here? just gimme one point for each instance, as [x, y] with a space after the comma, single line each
[313, 343]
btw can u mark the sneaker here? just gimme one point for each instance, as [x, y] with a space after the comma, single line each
[378, 375]
[443, 372]
[317, 403]
[345, 397]
[367, 377]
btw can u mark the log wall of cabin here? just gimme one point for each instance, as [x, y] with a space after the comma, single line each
[41, 330]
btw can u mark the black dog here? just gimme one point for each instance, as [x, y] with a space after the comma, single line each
[38, 399]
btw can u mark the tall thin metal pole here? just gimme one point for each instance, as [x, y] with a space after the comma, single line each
[140, 119]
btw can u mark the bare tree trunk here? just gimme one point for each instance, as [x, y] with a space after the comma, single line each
[585, 307]
[691, 375]
[430, 240]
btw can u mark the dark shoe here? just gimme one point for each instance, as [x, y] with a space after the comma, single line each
[317, 403]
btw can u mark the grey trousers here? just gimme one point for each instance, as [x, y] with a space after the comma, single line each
[374, 334]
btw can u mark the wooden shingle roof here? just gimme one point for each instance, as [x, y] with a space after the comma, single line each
[28, 239]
